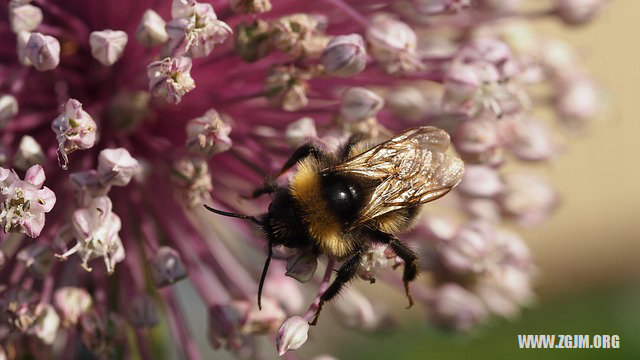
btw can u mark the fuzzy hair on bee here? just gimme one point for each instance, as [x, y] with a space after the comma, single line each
[339, 204]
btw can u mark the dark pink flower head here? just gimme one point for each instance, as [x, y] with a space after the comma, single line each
[109, 88]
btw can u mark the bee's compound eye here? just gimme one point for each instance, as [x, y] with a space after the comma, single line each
[341, 199]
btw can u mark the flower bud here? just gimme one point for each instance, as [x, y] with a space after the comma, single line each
[528, 139]
[529, 199]
[577, 12]
[107, 45]
[192, 180]
[286, 87]
[46, 323]
[578, 101]
[29, 153]
[345, 55]
[24, 18]
[354, 310]
[478, 141]
[167, 267]
[8, 109]
[292, 334]
[21, 47]
[393, 44]
[151, 31]
[38, 258]
[116, 167]
[480, 181]
[75, 130]
[43, 51]
[503, 292]
[439, 227]
[300, 131]
[143, 312]
[86, 185]
[359, 103]
[208, 135]
[302, 266]
[286, 291]
[252, 40]
[250, 6]
[170, 79]
[413, 103]
[72, 303]
[472, 249]
[454, 307]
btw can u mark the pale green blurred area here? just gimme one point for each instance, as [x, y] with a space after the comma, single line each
[588, 253]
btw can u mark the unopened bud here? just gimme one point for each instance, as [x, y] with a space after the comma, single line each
[29, 153]
[480, 181]
[167, 267]
[107, 45]
[151, 31]
[208, 135]
[116, 167]
[577, 12]
[393, 44]
[250, 6]
[359, 103]
[252, 41]
[345, 55]
[477, 141]
[300, 131]
[8, 109]
[143, 312]
[72, 303]
[454, 307]
[24, 18]
[292, 334]
[43, 51]
[302, 266]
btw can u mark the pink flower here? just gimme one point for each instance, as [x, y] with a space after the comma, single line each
[107, 46]
[170, 79]
[292, 334]
[208, 135]
[95, 229]
[43, 51]
[23, 203]
[75, 130]
[393, 44]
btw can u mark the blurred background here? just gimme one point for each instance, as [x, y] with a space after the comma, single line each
[588, 253]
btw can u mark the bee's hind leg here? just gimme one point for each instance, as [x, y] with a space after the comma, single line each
[347, 271]
[406, 254]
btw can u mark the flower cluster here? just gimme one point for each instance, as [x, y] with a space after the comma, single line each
[138, 120]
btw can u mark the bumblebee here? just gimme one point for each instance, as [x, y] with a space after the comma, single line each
[338, 204]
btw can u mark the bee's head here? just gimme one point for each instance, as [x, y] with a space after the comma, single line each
[283, 224]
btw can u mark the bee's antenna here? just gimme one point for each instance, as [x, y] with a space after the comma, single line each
[241, 216]
[264, 275]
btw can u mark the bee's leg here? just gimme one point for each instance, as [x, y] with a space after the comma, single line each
[347, 271]
[301, 153]
[353, 141]
[405, 253]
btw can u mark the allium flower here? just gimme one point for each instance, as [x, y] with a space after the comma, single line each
[24, 202]
[75, 130]
[295, 72]
[170, 79]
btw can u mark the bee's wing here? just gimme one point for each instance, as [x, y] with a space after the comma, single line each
[411, 168]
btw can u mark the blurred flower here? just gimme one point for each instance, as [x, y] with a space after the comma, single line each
[8, 109]
[43, 51]
[393, 44]
[72, 302]
[24, 17]
[456, 308]
[345, 55]
[29, 153]
[167, 267]
[208, 135]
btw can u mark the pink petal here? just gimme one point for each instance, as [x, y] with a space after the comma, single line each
[35, 176]
[49, 198]
[33, 227]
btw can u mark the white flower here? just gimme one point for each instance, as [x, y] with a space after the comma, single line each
[107, 45]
